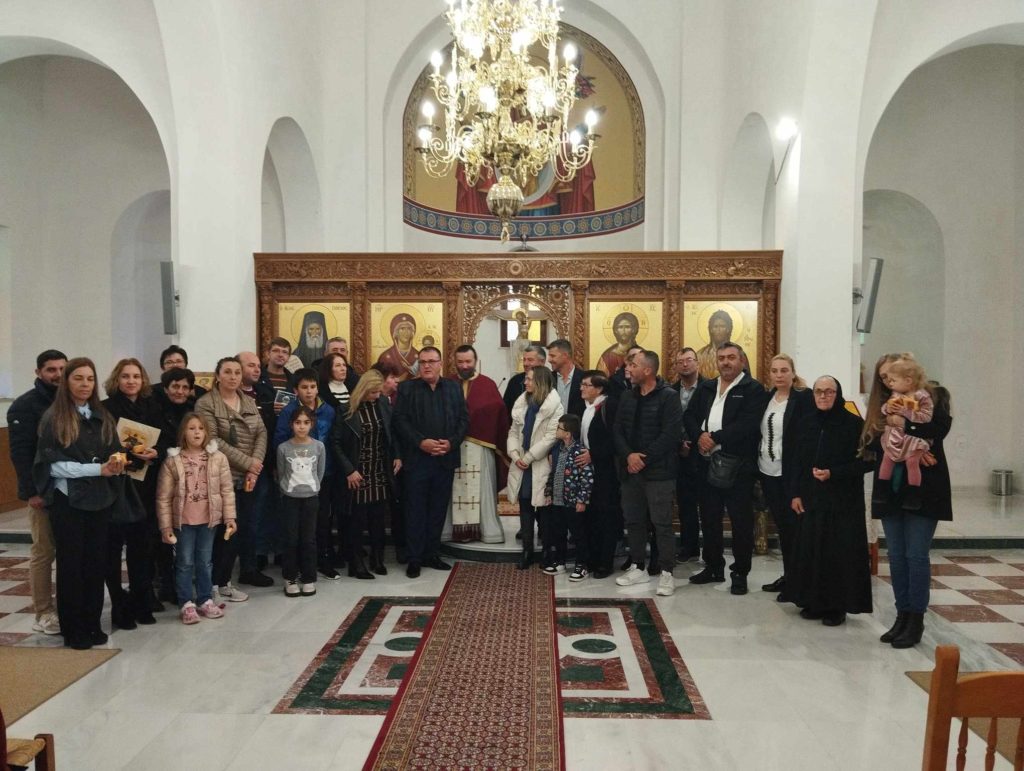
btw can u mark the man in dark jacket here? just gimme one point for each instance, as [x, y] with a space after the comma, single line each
[647, 429]
[687, 489]
[533, 356]
[567, 376]
[431, 420]
[23, 428]
[724, 416]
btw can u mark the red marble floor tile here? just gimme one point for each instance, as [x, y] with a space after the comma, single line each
[1019, 567]
[21, 590]
[1010, 582]
[10, 562]
[1014, 650]
[994, 596]
[944, 569]
[972, 559]
[14, 574]
[12, 638]
[968, 613]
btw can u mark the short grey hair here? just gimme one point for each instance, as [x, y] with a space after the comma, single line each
[540, 350]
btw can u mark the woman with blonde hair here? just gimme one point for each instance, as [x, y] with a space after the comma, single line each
[78, 469]
[133, 529]
[534, 422]
[785, 405]
[908, 530]
[368, 460]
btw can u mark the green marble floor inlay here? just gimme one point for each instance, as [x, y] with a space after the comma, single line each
[593, 645]
[664, 689]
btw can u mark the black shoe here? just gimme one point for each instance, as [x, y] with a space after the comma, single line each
[912, 632]
[78, 643]
[601, 573]
[145, 617]
[155, 606]
[782, 597]
[739, 584]
[525, 560]
[413, 570]
[122, 619]
[896, 629]
[98, 637]
[377, 562]
[686, 555]
[255, 578]
[357, 569]
[775, 586]
[401, 555]
[834, 619]
[653, 569]
[328, 572]
[519, 534]
[812, 615]
[437, 564]
[708, 576]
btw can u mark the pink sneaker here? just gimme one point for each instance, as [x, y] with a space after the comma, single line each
[210, 610]
[189, 614]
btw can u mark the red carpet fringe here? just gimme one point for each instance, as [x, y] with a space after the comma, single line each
[482, 691]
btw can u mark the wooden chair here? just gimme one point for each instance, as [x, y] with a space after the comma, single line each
[978, 695]
[21, 752]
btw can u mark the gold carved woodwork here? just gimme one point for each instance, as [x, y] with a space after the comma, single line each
[561, 285]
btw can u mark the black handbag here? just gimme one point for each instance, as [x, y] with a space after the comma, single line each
[723, 469]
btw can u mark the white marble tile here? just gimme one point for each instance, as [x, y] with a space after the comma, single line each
[989, 569]
[993, 632]
[949, 597]
[968, 582]
[197, 741]
[1012, 612]
[309, 742]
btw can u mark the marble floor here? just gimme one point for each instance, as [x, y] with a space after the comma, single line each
[782, 693]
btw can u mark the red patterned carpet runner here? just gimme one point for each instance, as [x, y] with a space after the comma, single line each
[482, 691]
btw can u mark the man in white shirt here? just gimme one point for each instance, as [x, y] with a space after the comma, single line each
[724, 416]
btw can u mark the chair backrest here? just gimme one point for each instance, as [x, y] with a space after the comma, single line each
[979, 695]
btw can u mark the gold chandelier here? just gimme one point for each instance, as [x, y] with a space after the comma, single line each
[502, 114]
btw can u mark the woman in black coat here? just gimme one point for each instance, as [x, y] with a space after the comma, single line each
[831, 576]
[785, 407]
[368, 459]
[908, 533]
[604, 513]
[134, 528]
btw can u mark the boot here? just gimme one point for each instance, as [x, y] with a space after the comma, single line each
[897, 629]
[121, 614]
[357, 566]
[912, 631]
[377, 562]
[527, 557]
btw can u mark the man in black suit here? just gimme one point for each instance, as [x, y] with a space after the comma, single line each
[533, 356]
[567, 377]
[687, 487]
[724, 415]
[431, 421]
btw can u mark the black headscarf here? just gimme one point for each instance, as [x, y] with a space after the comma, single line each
[838, 408]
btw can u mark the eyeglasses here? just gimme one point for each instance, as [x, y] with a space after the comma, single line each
[824, 392]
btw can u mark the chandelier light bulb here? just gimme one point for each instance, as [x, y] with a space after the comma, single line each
[590, 119]
[424, 135]
[488, 98]
[575, 138]
[428, 110]
[450, 79]
[548, 98]
[435, 61]
[569, 52]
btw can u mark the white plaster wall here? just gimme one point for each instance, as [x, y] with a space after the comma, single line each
[949, 138]
[274, 233]
[77, 147]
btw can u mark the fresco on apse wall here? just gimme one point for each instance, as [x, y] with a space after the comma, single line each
[709, 323]
[308, 327]
[398, 330]
[616, 326]
[606, 196]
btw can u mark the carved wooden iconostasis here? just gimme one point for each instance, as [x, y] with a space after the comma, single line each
[391, 304]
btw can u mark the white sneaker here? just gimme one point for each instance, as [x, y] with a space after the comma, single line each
[291, 589]
[666, 584]
[632, 576]
[229, 593]
[308, 590]
[48, 623]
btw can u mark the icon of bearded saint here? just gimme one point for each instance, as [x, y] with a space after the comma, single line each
[312, 338]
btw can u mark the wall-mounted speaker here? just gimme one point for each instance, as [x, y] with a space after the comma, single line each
[169, 297]
[867, 307]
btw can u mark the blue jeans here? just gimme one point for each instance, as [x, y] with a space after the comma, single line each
[193, 555]
[908, 537]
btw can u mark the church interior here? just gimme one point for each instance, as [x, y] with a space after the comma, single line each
[841, 180]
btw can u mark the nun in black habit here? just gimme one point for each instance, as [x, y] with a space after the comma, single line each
[832, 570]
